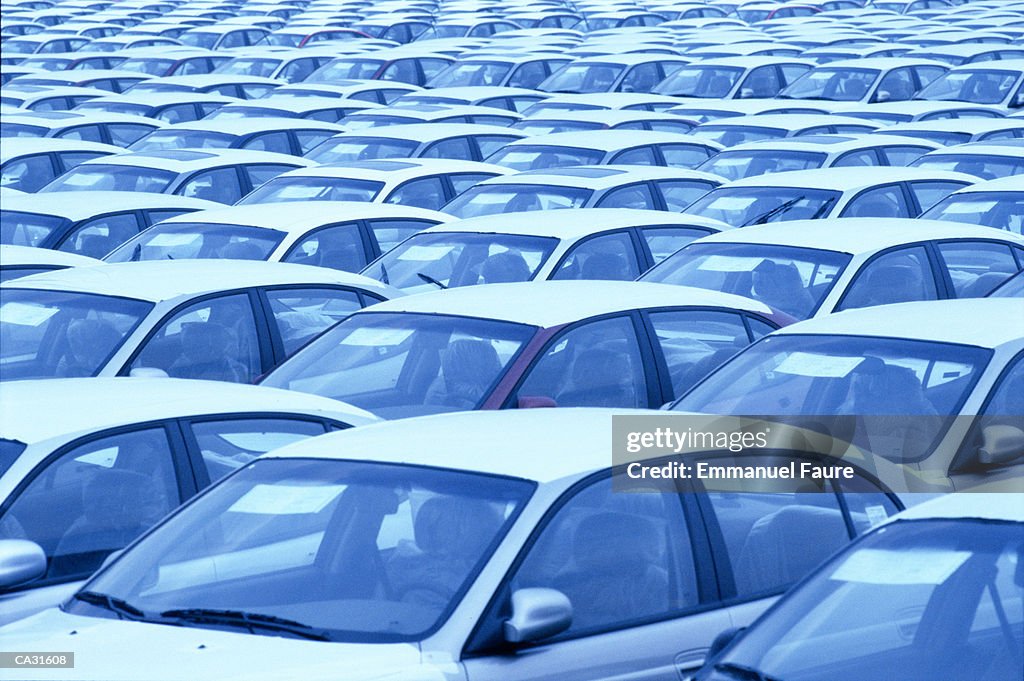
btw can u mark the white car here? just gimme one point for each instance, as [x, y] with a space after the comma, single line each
[874, 79]
[740, 129]
[277, 135]
[457, 141]
[601, 119]
[734, 77]
[639, 72]
[987, 160]
[959, 131]
[22, 261]
[29, 163]
[920, 110]
[996, 203]
[1000, 83]
[117, 129]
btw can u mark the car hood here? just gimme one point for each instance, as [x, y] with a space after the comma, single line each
[114, 649]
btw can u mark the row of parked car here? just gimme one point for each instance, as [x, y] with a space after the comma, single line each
[451, 242]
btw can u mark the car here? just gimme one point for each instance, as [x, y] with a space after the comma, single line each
[699, 110]
[222, 36]
[336, 234]
[629, 101]
[139, 446]
[28, 164]
[603, 119]
[163, 62]
[734, 77]
[739, 129]
[127, 42]
[243, 87]
[987, 160]
[817, 267]
[645, 187]
[830, 53]
[872, 79]
[111, 80]
[999, 83]
[612, 73]
[454, 113]
[879, 363]
[524, 514]
[458, 141]
[114, 129]
[959, 131]
[509, 98]
[420, 182]
[277, 135]
[306, 36]
[603, 147]
[167, 107]
[995, 203]
[324, 109]
[220, 175]
[23, 261]
[218, 319]
[887, 113]
[397, 27]
[967, 53]
[43, 43]
[513, 70]
[470, 28]
[401, 65]
[876, 192]
[42, 99]
[972, 540]
[808, 152]
[375, 91]
[605, 243]
[288, 65]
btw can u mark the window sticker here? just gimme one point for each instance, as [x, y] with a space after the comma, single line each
[818, 366]
[895, 567]
[286, 499]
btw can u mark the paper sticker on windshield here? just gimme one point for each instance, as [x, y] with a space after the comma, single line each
[917, 566]
[426, 253]
[733, 203]
[876, 514]
[377, 337]
[23, 314]
[286, 499]
[966, 207]
[170, 240]
[818, 366]
[727, 263]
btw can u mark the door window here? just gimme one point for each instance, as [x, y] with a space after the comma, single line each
[339, 247]
[99, 236]
[231, 443]
[882, 202]
[220, 185]
[609, 257]
[977, 267]
[695, 343]
[897, 277]
[301, 314]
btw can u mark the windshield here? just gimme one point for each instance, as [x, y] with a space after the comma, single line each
[735, 165]
[988, 167]
[744, 206]
[866, 612]
[397, 546]
[793, 280]
[1002, 210]
[313, 189]
[583, 78]
[180, 241]
[50, 334]
[888, 378]
[159, 140]
[836, 84]
[511, 198]
[402, 364]
[346, 69]
[713, 82]
[103, 177]
[461, 259]
[981, 86]
[245, 66]
[471, 73]
[541, 156]
[731, 134]
[27, 229]
[342, 149]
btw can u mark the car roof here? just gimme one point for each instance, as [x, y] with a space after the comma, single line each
[203, 79]
[1011, 148]
[395, 170]
[552, 303]
[970, 125]
[157, 280]
[14, 147]
[298, 216]
[286, 102]
[186, 160]
[161, 98]
[610, 100]
[848, 179]
[426, 132]
[85, 204]
[71, 405]
[880, 63]
[607, 140]
[831, 143]
[986, 506]
[244, 126]
[47, 119]
[1015, 65]
[978, 321]
[751, 61]
[575, 223]
[916, 106]
[599, 177]
[30, 255]
[787, 121]
[1012, 183]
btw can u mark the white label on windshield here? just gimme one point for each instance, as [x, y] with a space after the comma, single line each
[286, 499]
[725, 263]
[818, 366]
[966, 207]
[25, 315]
[876, 514]
[909, 566]
[377, 337]
[172, 240]
[732, 203]
[425, 253]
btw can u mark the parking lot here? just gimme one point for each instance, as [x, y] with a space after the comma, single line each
[499, 340]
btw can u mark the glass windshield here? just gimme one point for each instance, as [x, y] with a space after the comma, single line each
[49, 334]
[461, 259]
[399, 546]
[888, 378]
[472, 73]
[744, 206]
[398, 365]
[314, 189]
[836, 84]
[246, 66]
[345, 69]
[866, 612]
[342, 149]
[540, 157]
[27, 229]
[511, 198]
[735, 165]
[180, 241]
[1002, 210]
[159, 140]
[981, 86]
[988, 167]
[583, 78]
[793, 280]
[731, 134]
[103, 177]
[713, 82]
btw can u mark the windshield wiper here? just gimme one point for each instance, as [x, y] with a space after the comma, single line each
[768, 215]
[247, 620]
[430, 280]
[743, 671]
[122, 608]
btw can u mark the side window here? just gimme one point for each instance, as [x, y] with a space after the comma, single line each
[28, 174]
[255, 90]
[124, 134]
[762, 82]
[862, 157]
[896, 277]
[620, 558]
[403, 70]
[928, 192]
[339, 247]
[95, 499]
[390, 233]
[432, 67]
[155, 216]
[86, 133]
[301, 314]
[678, 194]
[99, 236]
[664, 241]
[528, 75]
[213, 339]
[977, 267]
[308, 139]
[263, 173]
[881, 202]
[297, 70]
[232, 39]
[695, 343]
[642, 78]
[641, 156]
[1001, 413]
[70, 159]
[220, 185]
[425, 193]
[683, 155]
[491, 143]
[597, 364]
[926, 74]
[866, 503]
[464, 181]
[457, 148]
[791, 72]
[632, 196]
[276, 142]
[180, 113]
[902, 156]
[610, 257]
[895, 86]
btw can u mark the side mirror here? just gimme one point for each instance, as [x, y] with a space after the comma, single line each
[1000, 445]
[21, 561]
[723, 640]
[536, 614]
[148, 372]
[882, 96]
[534, 402]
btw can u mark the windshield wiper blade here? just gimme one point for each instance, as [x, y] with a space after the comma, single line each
[430, 280]
[768, 215]
[122, 608]
[247, 620]
[744, 671]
